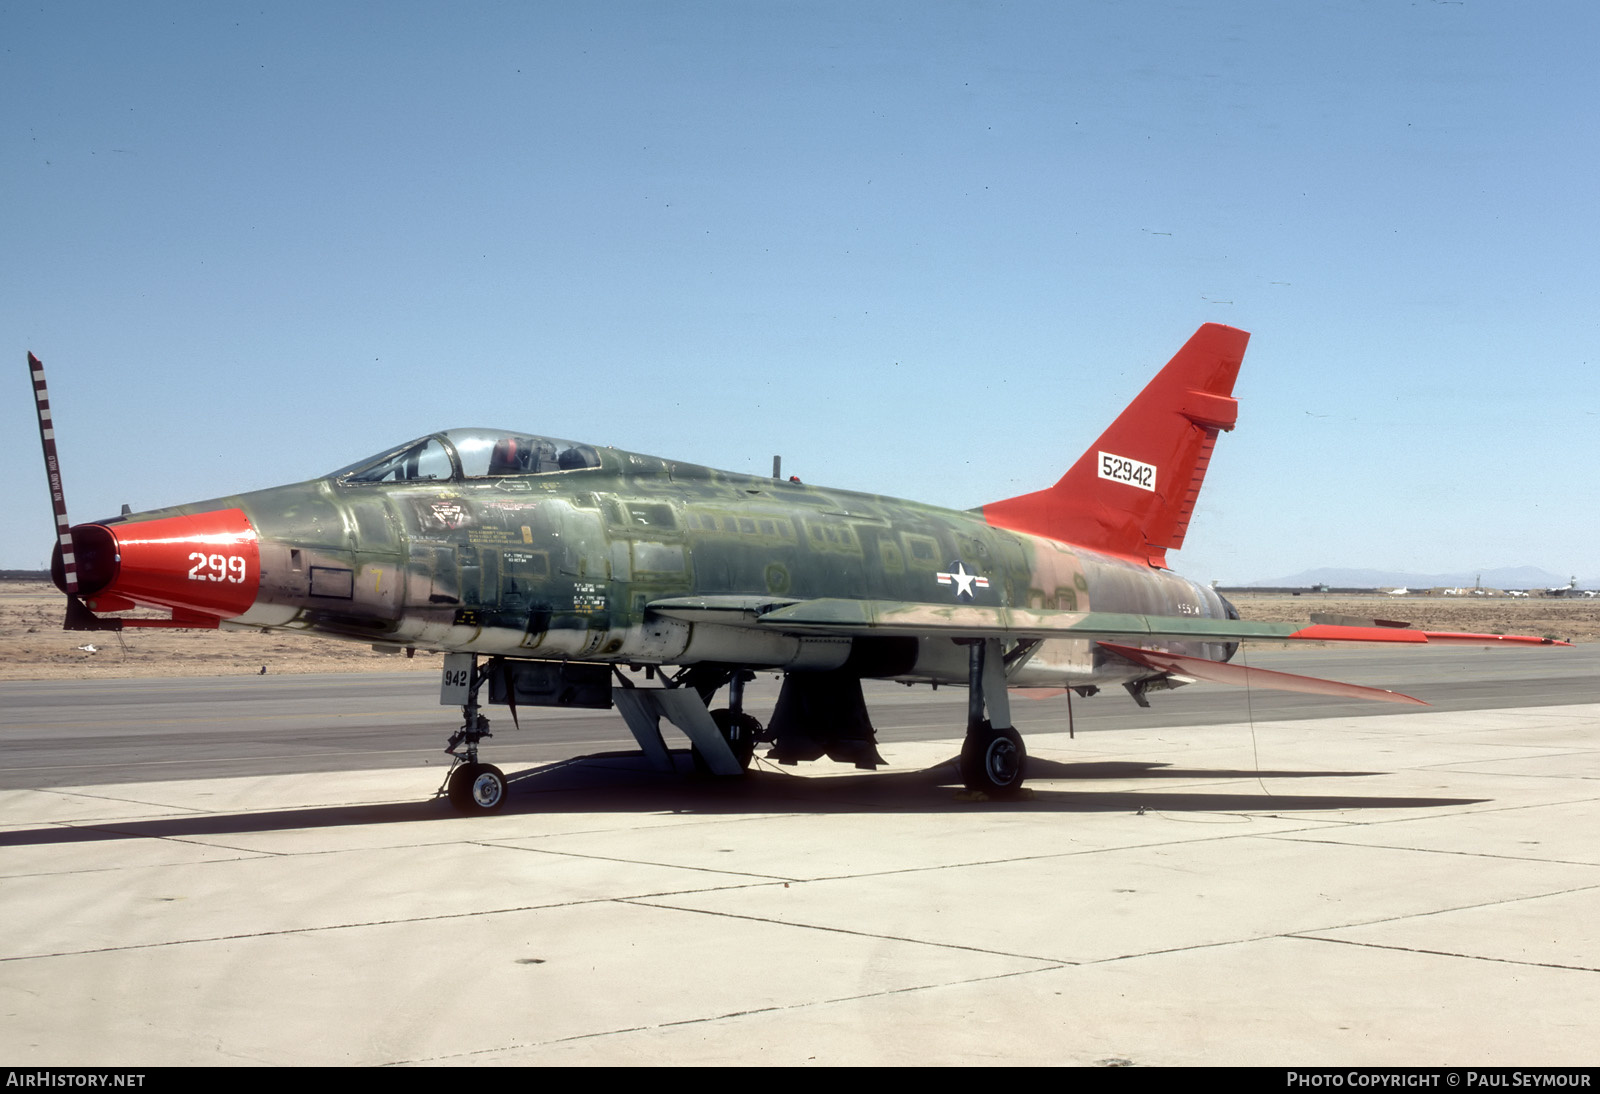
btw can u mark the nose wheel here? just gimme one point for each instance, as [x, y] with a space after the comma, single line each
[477, 788]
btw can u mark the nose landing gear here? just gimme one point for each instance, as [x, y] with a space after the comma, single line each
[473, 788]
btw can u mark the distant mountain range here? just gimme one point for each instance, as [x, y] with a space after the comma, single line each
[1506, 577]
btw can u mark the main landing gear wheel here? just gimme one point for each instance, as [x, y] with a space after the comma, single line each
[740, 731]
[993, 761]
[477, 788]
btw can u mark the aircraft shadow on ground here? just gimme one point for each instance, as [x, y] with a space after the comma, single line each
[620, 782]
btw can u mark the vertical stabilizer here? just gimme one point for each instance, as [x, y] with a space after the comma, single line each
[1133, 492]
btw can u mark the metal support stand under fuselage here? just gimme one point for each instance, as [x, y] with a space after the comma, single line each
[643, 709]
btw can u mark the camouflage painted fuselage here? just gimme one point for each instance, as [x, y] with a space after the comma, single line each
[565, 564]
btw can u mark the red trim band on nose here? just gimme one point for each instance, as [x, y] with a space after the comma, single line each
[209, 562]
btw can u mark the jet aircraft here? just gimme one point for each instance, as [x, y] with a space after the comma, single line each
[543, 568]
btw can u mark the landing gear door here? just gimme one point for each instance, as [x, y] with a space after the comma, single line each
[456, 685]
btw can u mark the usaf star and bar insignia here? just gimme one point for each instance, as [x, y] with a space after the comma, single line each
[963, 581]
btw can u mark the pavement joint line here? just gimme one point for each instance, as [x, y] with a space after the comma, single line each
[114, 830]
[212, 718]
[212, 760]
[867, 874]
[1445, 953]
[1023, 859]
[765, 878]
[508, 843]
[1468, 767]
[1475, 810]
[650, 902]
[1174, 816]
[775, 1008]
[1402, 917]
[635, 828]
[638, 900]
[244, 856]
[1048, 965]
[1315, 934]
[1194, 946]
[1294, 838]
[81, 792]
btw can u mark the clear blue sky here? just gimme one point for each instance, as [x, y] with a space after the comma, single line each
[922, 249]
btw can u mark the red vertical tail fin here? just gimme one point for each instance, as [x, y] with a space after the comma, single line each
[1134, 491]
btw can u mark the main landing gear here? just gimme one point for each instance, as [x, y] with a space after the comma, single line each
[993, 759]
[473, 788]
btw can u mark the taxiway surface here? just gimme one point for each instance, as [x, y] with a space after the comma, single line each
[201, 872]
[74, 732]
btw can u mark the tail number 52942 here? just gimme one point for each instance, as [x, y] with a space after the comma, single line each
[1132, 472]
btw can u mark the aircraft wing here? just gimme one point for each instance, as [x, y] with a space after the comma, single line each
[841, 617]
[1114, 631]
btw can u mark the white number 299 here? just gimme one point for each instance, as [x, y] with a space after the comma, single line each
[217, 568]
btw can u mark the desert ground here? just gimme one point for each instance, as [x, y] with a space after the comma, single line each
[34, 647]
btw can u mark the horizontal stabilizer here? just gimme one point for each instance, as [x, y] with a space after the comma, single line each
[1243, 676]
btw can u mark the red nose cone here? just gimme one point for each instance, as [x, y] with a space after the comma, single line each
[207, 563]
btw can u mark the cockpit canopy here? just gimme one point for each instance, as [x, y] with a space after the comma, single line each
[459, 454]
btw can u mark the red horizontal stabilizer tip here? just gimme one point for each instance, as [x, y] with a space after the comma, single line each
[1454, 638]
[1321, 632]
[1218, 672]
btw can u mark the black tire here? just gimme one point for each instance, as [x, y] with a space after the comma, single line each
[740, 731]
[476, 789]
[994, 761]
